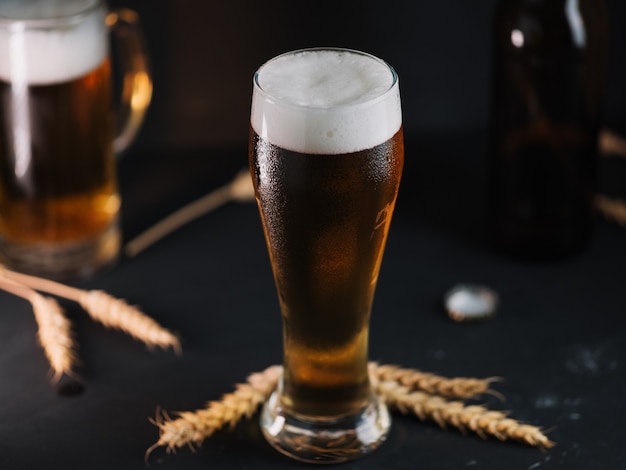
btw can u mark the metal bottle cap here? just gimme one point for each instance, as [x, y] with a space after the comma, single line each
[470, 302]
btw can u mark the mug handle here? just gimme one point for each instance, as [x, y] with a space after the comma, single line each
[136, 86]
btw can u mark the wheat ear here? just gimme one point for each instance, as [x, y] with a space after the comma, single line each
[116, 313]
[459, 387]
[611, 143]
[192, 427]
[611, 208]
[104, 308]
[465, 418]
[53, 328]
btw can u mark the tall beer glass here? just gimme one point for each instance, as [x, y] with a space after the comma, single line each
[59, 200]
[326, 155]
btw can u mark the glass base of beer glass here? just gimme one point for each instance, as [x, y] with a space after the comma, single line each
[63, 261]
[325, 440]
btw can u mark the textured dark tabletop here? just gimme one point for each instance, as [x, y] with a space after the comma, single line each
[559, 339]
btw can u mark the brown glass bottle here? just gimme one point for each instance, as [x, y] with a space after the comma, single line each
[548, 74]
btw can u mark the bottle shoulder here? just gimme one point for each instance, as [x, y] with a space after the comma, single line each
[548, 26]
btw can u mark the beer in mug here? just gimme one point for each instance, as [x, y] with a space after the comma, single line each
[59, 200]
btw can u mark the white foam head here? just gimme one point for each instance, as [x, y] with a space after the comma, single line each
[51, 41]
[326, 101]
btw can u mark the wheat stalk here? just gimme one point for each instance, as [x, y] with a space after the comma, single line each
[239, 189]
[104, 308]
[192, 427]
[459, 387]
[54, 329]
[465, 418]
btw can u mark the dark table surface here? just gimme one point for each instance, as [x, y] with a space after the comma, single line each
[558, 339]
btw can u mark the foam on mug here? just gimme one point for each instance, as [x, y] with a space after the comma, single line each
[326, 101]
[34, 54]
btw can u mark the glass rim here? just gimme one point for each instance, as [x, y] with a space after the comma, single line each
[16, 23]
[285, 103]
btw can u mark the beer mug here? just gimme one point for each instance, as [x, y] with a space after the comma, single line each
[59, 201]
[326, 156]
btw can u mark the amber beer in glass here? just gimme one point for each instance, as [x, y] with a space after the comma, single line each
[59, 200]
[326, 155]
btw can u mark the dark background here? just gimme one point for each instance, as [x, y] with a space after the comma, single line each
[204, 55]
